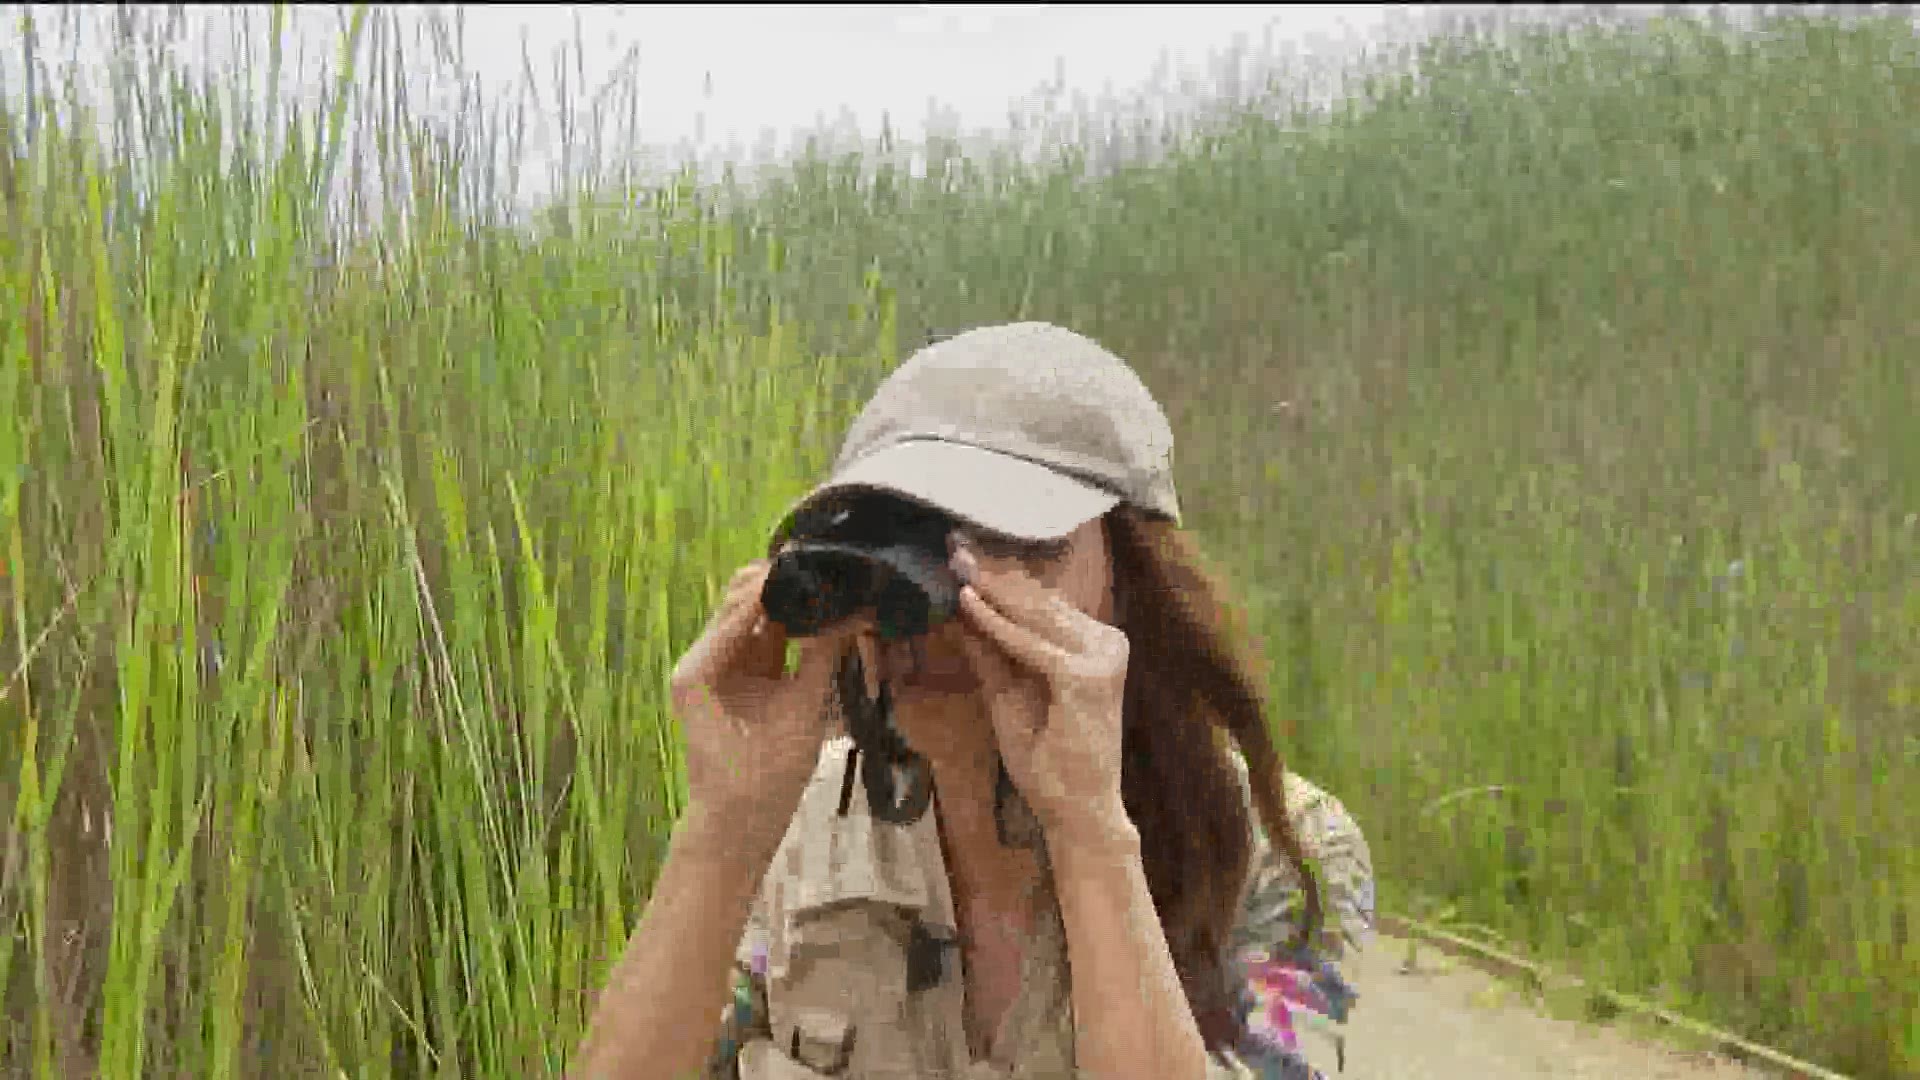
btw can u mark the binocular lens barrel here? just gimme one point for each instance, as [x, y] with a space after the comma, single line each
[813, 587]
[878, 553]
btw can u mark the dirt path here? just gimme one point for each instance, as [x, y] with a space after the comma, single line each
[1445, 1019]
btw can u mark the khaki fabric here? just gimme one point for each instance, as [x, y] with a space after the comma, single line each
[826, 960]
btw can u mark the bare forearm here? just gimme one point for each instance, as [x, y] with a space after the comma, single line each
[1131, 1015]
[661, 1008]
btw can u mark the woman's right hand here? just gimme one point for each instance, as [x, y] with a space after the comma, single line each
[753, 730]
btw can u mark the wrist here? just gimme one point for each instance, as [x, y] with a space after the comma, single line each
[714, 833]
[1102, 829]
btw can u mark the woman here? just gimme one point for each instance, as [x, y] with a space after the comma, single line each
[1091, 882]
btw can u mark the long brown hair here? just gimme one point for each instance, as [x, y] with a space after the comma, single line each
[1191, 687]
[1192, 678]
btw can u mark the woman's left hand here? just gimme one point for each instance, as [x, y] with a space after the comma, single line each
[1054, 678]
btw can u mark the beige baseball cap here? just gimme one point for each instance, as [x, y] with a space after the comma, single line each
[1025, 429]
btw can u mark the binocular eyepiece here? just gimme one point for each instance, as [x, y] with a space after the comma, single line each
[864, 551]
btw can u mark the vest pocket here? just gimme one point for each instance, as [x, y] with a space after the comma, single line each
[820, 1040]
[840, 1006]
[816, 1043]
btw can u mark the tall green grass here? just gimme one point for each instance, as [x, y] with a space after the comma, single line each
[1553, 406]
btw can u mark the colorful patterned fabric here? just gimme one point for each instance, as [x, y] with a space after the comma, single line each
[1295, 1000]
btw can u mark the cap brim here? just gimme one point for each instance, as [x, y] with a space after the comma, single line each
[1003, 494]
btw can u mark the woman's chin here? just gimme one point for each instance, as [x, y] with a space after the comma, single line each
[928, 667]
[936, 680]
[936, 685]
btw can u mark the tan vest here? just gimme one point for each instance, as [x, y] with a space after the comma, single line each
[839, 913]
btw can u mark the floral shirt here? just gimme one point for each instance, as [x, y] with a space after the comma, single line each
[1291, 992]
[838, 908]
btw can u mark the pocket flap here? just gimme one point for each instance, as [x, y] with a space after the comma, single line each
[828, 859]
[821, 1040]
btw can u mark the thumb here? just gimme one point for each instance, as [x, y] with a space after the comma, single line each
[990, 664]
[819, 660]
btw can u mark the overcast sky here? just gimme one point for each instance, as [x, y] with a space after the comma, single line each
[784, 67]
[728, 78]
[740, 82]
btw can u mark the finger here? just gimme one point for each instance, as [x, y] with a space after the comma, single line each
[731, 632]
[991, 664]
[745, 584]
[701, 665]
[764, 653]
[742, 589]
[819, 660]
[830, 647]
[730, 601]
[1019, 642]
[762, 650]
[751, 575]
[739, 633]
[1019, 597]
[770, 644]
[1013, 727]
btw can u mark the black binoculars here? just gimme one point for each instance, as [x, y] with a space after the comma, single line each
[863, 551]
